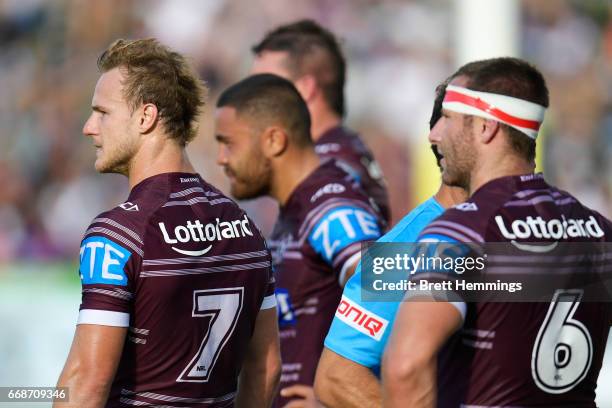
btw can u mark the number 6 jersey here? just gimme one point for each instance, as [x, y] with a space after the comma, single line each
[524, 354]
[187, 272]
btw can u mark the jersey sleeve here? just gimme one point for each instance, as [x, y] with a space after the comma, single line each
[360, 330]
[337, 235]
[269, 300]
[445, 238]
[110, 257]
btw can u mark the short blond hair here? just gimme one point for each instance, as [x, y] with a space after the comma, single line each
[156, 74]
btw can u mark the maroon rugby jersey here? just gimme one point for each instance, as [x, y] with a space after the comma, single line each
[525, 354]
[317, 236]
[348, 149]
[183, 267]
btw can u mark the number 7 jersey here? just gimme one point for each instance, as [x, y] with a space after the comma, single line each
[187, 272]
[525, 354]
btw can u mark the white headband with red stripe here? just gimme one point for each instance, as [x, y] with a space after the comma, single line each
[522, 115]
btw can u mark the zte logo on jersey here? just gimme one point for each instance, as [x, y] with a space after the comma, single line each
[341, 227]
[103, 261]
[197, 232]
[361, 319]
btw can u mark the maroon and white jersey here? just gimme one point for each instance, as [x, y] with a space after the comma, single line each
[351, 152]
[317, 237]
[526, 354]
[187, 271]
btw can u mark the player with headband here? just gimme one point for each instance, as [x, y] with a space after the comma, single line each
[348, 374]
[520, 114]
[480, 354]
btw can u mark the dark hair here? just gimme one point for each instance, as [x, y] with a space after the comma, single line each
[512, 77]
[436, 114]
[155, 74]
[311, 50]
[269, 99]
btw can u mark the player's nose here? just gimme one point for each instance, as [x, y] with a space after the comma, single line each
[435, 134]
[90, 128]
[221, 155]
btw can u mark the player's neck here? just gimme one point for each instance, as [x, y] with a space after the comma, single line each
[158, 155]
[448, 196]
[323, 119]
[288, 174]
[497, 167]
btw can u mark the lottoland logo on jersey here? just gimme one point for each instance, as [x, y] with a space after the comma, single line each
[197, 232]
[555, 228]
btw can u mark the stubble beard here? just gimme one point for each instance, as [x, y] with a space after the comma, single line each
[253, 182]
[116, 159]
[460, 162]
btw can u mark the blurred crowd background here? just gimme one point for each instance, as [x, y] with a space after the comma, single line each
[397, 52]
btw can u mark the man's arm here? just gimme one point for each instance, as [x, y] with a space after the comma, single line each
[410, 361]
[341, 382]
[91, 365]
[261, 368]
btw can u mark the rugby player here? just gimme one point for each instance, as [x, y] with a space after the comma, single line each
[178, 304]
[263, 130]
[495, 354]
[349, 369]
[310, 56]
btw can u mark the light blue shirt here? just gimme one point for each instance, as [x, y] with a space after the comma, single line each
[355, 343]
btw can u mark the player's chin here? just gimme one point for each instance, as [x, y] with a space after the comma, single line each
[104, 166]
[242, 192]
[101, 166]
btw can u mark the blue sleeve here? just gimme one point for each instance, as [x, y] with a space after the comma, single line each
[103, 261]
[360, 330]
[338, 229]
[437, 245]
[105, 267]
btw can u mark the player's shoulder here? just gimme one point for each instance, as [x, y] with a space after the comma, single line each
[332, 202]
[580, 221]
[330, 183]
[333, 194]
[131, 216]
[191, 200]
[341, 141]
[122, 228]
[470, 220]
[158, 198]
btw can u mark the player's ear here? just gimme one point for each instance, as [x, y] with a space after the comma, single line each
[307, 87]
[148, 115]
[274, 141]
[487, 129]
